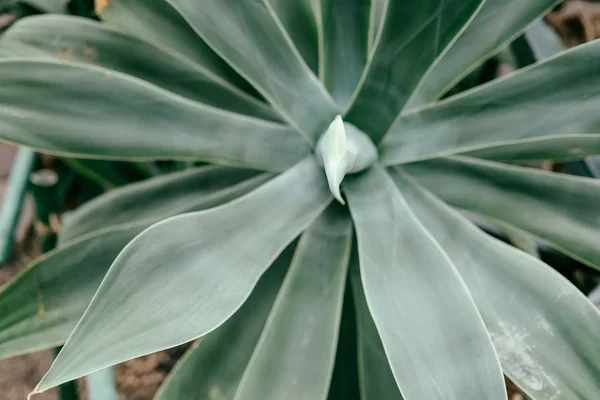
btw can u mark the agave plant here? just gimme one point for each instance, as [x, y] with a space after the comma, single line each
[298, 107]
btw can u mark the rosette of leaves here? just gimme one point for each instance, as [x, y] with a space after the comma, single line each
[298, 108]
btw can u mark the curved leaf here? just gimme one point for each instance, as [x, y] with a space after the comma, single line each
[158, 198]
[99, 113]
[40, 308]
[267, 58]
[221, 357]
[190, 255]
[414, 33]
[546, 111]
[559, 209]
[345, 46]
[82, 40]
[544, 329]
[421, 307]
[497, 23]
[157, 22]
[295, 355]
[376, 378]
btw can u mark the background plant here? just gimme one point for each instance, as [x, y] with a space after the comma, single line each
[438, 302]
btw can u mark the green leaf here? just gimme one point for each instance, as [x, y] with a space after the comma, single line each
[345, 46]
[157, 22]
[116, 116]
[497, 24]
[298, 18]
[420, 305]
[559, 209]
[266, 58]
[543, 328]
[49, 6]
[377, 14]
[295, 355]
[81, 40]
[220, 358]
[546, 111]
[376, 378]
[414, 33]
[190, 255]
[40, 308]
[158, 198]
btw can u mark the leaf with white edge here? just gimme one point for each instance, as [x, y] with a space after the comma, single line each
[414, 33]
[116, 116]
[49, 6]
[158, 198]
[495, 120]
[40, 308]
[179, 255]
[220, 358]
[543, 40]
[345, 46]
[295, 355]
[495, 25]
[376, 378]
[267, 58]
[344, 149]
[299, 19]
[419, 303]
[532, 200]
[82, 40]
[544, 329]
[157, 22]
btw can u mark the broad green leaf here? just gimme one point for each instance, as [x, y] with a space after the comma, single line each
[116, 116]
[211, 260]
[414, 33]
[559, 209]
[266, 58]
[497, 24]
[295, 355]
[213, 367]
[81, 40]
[298, 18]
[422, 309]
[157, 22]
[546, 111]
[158, 198]
[376, 378]
[40, 308]
[544, 329]
[345, 46]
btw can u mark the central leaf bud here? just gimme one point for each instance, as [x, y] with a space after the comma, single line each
[344, 149]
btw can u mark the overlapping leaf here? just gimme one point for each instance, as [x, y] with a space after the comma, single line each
[497, 23]
[40, 308]
[543, 328]
[420, 306]
[250, 37]
[544, 112]
[295, 355]
[412, 36]
[209, 259]
[559, 209]
[112, 115]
